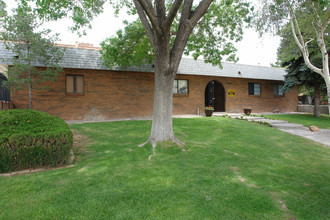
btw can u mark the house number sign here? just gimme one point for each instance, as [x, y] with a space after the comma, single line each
[231, 93]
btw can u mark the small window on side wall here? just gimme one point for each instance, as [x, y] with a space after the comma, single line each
[180, 86]
[74, 84]
[254, 89]
[278, 90]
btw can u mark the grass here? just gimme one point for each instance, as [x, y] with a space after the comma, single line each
[231, 169]
[304, 119]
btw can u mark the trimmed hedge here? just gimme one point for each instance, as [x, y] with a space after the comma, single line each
[31, 139]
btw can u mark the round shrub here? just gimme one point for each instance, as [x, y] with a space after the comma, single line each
[31, 139]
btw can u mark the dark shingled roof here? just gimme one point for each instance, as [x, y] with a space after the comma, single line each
[79, 58]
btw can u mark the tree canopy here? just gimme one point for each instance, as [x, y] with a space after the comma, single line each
[212, 38]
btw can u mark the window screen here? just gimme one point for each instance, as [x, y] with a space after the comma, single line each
[180, 86]
[75, 84]
[278, 90]
[254, 89]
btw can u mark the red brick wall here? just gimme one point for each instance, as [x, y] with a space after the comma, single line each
[113, 94]
[265, 102]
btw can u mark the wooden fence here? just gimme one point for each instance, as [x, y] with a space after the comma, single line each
[5, 105]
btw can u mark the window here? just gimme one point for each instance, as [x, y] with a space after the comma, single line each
[180, 86]
[278, 90]
[254, 89]
[75, 84]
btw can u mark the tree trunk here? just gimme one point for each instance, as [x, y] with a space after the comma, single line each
[30, 90]
[30, 77]
[162, 129]
[327, 83]
[328, 91]
[317, 113]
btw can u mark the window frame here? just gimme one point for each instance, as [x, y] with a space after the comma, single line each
[254, 89]
[177, 92]
[75, 84]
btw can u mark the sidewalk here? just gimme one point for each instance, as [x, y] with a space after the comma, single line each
[322, 136]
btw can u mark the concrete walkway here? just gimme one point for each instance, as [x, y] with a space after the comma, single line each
[322, 136]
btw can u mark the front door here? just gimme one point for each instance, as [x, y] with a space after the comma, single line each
[215, 96]
[210, 94]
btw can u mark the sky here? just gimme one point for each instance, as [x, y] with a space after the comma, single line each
[252, 50]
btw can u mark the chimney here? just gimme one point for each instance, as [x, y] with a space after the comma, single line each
[85, 45]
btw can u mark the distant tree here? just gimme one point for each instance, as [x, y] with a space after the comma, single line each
[30, 47]
[309, 20]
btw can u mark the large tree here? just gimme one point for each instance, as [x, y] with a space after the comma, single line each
[164, 38]
[164, 28]
[314, 26]
[30, 47]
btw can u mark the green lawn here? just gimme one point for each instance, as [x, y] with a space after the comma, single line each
[304, 119]
[231, 169]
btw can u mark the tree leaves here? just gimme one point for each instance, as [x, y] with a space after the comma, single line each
[212, 38]
[130, 47]
[30, 47]
[81, 12]
[3, 11]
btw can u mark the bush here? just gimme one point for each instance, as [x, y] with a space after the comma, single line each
[30, 139]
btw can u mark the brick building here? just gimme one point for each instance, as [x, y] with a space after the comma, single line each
[87, 90]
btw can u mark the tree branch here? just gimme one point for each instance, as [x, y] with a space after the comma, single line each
[199, 12]
[160, 12]
[146, 6]
[171, 14]
[303, 48]
[323, 49]
[144, 21]
[296, 26]
[186, 10]
[319, 22]
[188, 21]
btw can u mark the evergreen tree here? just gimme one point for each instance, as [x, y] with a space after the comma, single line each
[35, 59]
[300, 75]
